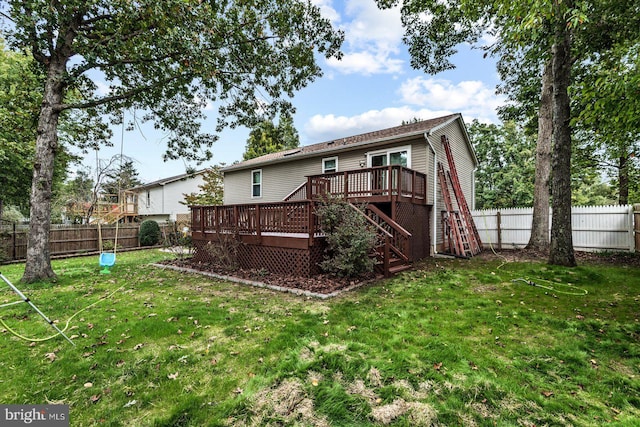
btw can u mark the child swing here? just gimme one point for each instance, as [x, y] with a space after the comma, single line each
[107, 259]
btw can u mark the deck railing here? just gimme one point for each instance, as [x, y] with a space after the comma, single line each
[256, 219]
[380, 183]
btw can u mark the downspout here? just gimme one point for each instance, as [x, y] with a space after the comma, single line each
[434, 247]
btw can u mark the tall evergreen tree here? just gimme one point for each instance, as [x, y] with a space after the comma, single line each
[268, 138]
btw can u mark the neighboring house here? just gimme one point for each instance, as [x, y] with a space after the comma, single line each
[269, 201]
[161, 200]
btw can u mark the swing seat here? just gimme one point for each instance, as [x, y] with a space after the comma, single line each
[107, 260]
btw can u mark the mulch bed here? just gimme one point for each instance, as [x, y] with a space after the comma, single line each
[319, 284]
[325, 284]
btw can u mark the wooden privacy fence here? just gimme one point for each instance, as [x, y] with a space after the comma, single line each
[595, 228]
[67, 239]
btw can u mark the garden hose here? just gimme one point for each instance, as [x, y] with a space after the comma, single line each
[66, 324]
[551, 288]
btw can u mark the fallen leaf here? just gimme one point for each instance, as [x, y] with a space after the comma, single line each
[314, 382]
[51, 356]
[120, 363]
[437, 366]
[88, 354]
[95, 398]
[173, 376]
[547, 393]
[473, 366]
[138, 346]
[238, 391]
[88, 385]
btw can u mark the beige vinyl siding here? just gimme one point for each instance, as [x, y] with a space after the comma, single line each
[280, 179]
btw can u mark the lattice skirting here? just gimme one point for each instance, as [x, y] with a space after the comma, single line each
[299, 262]
[415, 219]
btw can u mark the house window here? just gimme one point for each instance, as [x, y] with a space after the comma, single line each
[148, 198]
[395, 156]
[256, 183]
[329, 165]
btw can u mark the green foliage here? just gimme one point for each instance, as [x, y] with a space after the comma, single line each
[350, 239]
[505, 175]
[122, 177]
[267, 138]
[149, 233]
[211, 190]
[12, 214]
[171, 57]
[75, 198]
[20, 99]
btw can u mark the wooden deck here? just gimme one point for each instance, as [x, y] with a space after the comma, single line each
[370, 185]
[292, 225]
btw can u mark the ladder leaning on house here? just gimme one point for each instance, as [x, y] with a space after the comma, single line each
[460, 229]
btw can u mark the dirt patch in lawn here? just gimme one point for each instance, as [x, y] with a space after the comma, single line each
[630, 259]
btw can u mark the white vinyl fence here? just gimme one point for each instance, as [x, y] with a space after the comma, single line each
[595, 228]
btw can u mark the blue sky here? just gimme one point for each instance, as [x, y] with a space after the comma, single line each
[373, 87]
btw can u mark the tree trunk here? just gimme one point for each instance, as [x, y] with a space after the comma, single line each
[38, 260]
[561, 249]
[623, 180]
[539, 239]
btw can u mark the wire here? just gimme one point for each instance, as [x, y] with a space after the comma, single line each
[551, 288]
[66, 325]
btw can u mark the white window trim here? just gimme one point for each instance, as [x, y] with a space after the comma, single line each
[324, 170]
[259, 183]
[388, 151]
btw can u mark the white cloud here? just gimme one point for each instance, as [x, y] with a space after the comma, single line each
[327, 10]
[422, 98]
[366, 63]
[471, 97]
[372, 38]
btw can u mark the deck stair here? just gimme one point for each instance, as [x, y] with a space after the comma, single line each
[393, 250]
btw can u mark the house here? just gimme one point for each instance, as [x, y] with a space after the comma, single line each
[269, 201]
[161, 200]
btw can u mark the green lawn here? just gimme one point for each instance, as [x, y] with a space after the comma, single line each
[454, 343]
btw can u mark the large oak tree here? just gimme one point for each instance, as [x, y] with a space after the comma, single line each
[168, 58]
[570, 30]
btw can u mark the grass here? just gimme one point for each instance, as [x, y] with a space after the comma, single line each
[451, 343]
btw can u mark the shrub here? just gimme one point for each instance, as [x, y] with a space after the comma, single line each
[223, 253]
[149, 233]
[349, 237]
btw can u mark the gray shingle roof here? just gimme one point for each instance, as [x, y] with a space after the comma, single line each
[341, 143]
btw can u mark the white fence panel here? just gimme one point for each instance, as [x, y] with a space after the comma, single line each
[595, 228]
